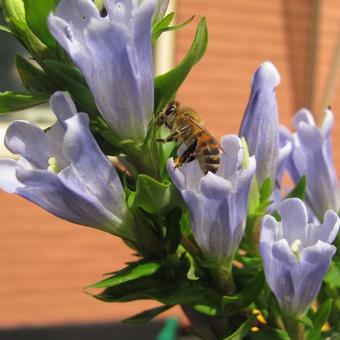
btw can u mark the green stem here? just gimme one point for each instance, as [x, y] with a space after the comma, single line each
[295, 328]
[223, 278]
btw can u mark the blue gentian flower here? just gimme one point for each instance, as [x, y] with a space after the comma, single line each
[312, 157]
[260, 124]
[218, 203]
[114, 53]
[64, 171]
[296, 255]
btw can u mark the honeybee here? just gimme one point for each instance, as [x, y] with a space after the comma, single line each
[187, 128]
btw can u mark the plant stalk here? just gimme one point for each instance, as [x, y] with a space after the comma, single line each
[295, 328]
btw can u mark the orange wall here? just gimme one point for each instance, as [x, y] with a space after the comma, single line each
[45, 262]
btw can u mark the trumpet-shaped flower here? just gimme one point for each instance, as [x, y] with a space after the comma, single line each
[114, 53]
[296, 255]
[218, 203]
[260, 124]
[312, 157]
[64, 171]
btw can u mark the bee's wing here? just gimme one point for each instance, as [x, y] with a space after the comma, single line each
[200, 126]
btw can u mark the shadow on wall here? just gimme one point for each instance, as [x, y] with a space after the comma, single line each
[107, 331]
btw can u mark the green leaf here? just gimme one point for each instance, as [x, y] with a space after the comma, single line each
[252, 290]
[266, 190]
[319, 319]
[163, 26]
[173, 230]
[70, 79]
[300, 189]
[130, 273]
[14, 101]
[191, 274]
[154, 197]
[166, 85]
[333, 276]
[14, 12]
[146, 315]
[36, 17]
[243, 330]
[167, 290]
[254, 197]
[269, 334]
[33, 78]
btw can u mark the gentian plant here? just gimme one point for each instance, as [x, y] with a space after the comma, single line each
[241, 256]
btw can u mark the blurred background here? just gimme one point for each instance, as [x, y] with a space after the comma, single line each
[45, 262]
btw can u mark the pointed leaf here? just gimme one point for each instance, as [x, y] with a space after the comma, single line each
[163, 26]
[252, 290]
[319, 319]
[33, 78]
[166, 85]
[168, 291]
[243, 330]
[132, 272]
[146, 315]
[173, 230]
[300, 189]
[14, 101]
[70, 79]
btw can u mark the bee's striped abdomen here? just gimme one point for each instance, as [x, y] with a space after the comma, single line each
[208, 154]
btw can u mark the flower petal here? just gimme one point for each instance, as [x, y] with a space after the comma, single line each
[260, 125]
[325, 232]
[8, 180]
[231, 157]
[22, 138]
[91, 166]
[271, 230]
[115, 57]
[308, 275]
[294, 220]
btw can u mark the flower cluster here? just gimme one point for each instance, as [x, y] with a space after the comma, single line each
[204, 238]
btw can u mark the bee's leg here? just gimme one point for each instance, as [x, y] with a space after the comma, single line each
[172, 137]
[187, 156]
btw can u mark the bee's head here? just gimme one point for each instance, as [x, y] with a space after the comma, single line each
[168, 115]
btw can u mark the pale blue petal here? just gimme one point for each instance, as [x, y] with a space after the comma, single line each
[8, 179]
[91, 166]
[29, 141]
[308, 275]
[115, 56]
[260, 125]
[278, 260]
[294, 220]
[271, 230]
[325, 232]
[231, 157]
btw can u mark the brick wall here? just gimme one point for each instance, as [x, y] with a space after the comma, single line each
[45, 262]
